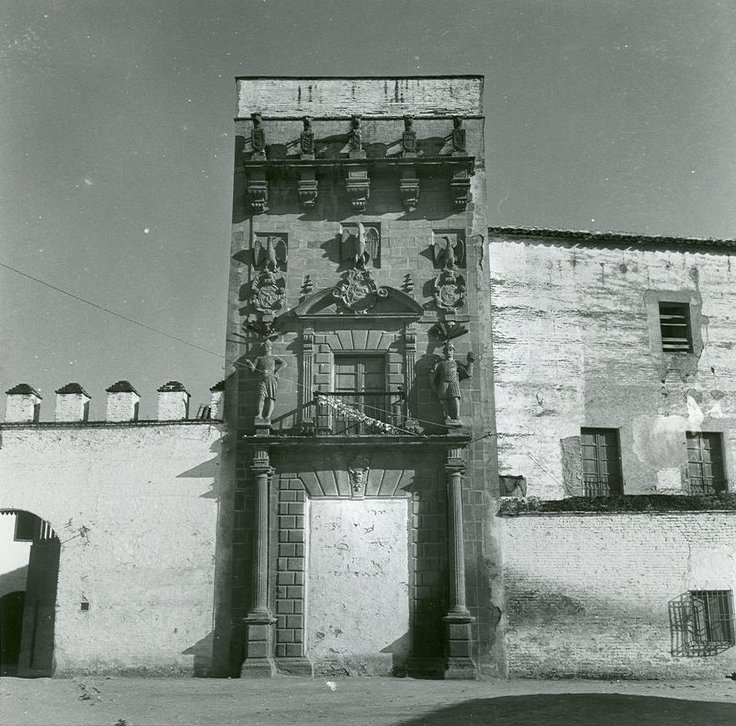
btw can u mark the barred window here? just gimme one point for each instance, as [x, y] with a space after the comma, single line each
[702, 623]
[674, 325]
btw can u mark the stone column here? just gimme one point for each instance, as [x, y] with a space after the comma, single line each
[307, 374]
[410, 355]
[259, 622]
[458, 621]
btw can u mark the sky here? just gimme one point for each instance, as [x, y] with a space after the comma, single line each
[116, 160]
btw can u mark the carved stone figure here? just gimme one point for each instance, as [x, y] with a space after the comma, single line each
[270, 253]
[355, 137]
[258, 136]
[266, 367]
[409, 138]
[448, 251]
[445, 379]
[306, 140]
[358, 472]
[360, 245]
[458, 135]
[449, 285]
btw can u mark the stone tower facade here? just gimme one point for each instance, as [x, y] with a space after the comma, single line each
[360, 383]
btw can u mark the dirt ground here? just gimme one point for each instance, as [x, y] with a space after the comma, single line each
[353, 701]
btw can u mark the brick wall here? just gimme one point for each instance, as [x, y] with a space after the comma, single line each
[590, 595]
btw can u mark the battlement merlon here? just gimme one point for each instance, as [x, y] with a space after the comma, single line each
[376, 97]
[23, 404]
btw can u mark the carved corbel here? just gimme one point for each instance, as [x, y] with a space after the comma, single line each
[257, 190]
[409, 188]
[460, 189]
[358, 187]
[307, 187]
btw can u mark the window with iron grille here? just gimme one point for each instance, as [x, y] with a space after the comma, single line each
[674, 325]
[601, 462]
[705, 471]
[702, 623]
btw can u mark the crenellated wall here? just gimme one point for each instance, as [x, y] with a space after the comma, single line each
[23, 403]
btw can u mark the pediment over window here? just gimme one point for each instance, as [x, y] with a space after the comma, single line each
[357, 296]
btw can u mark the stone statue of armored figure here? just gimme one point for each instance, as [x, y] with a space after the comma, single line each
[266, 367]
[445, 379]
[306, 140]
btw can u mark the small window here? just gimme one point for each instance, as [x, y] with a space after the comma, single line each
[601, 462]
[674, 325]
[702, 623]
[705, 472]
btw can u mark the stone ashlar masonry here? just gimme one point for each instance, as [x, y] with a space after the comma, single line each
[594, 595]
[577, 344]
[136, 508]
[315, 262]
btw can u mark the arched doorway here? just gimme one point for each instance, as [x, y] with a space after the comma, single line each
[29, 570]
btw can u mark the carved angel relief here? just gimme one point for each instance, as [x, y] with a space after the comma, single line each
[360, 246]
[449, 285]
[268, 289]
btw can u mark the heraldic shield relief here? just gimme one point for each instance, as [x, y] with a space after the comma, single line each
[357, 291]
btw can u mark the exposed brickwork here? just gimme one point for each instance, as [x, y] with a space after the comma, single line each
[589, 595]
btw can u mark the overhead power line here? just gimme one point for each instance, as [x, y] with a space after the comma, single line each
[110, 312]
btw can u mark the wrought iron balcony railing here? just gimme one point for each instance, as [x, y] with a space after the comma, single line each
[598, 486]
[359, 413]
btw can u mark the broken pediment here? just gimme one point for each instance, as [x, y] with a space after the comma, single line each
[358, 295]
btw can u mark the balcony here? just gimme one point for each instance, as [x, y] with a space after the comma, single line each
[360, 413]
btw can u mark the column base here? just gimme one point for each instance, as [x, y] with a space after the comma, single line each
[460, 669]
[300, 666]
[459, 664]
[259, 662]
[258, 668]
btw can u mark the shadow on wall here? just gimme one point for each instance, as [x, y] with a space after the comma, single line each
[583, 709]
[212, 652]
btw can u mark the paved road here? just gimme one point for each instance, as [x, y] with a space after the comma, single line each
[358, 701]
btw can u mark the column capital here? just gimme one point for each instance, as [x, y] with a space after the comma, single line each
[455, 463]
[261, 463]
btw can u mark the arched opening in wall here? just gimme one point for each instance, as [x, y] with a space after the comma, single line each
[29, 570]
